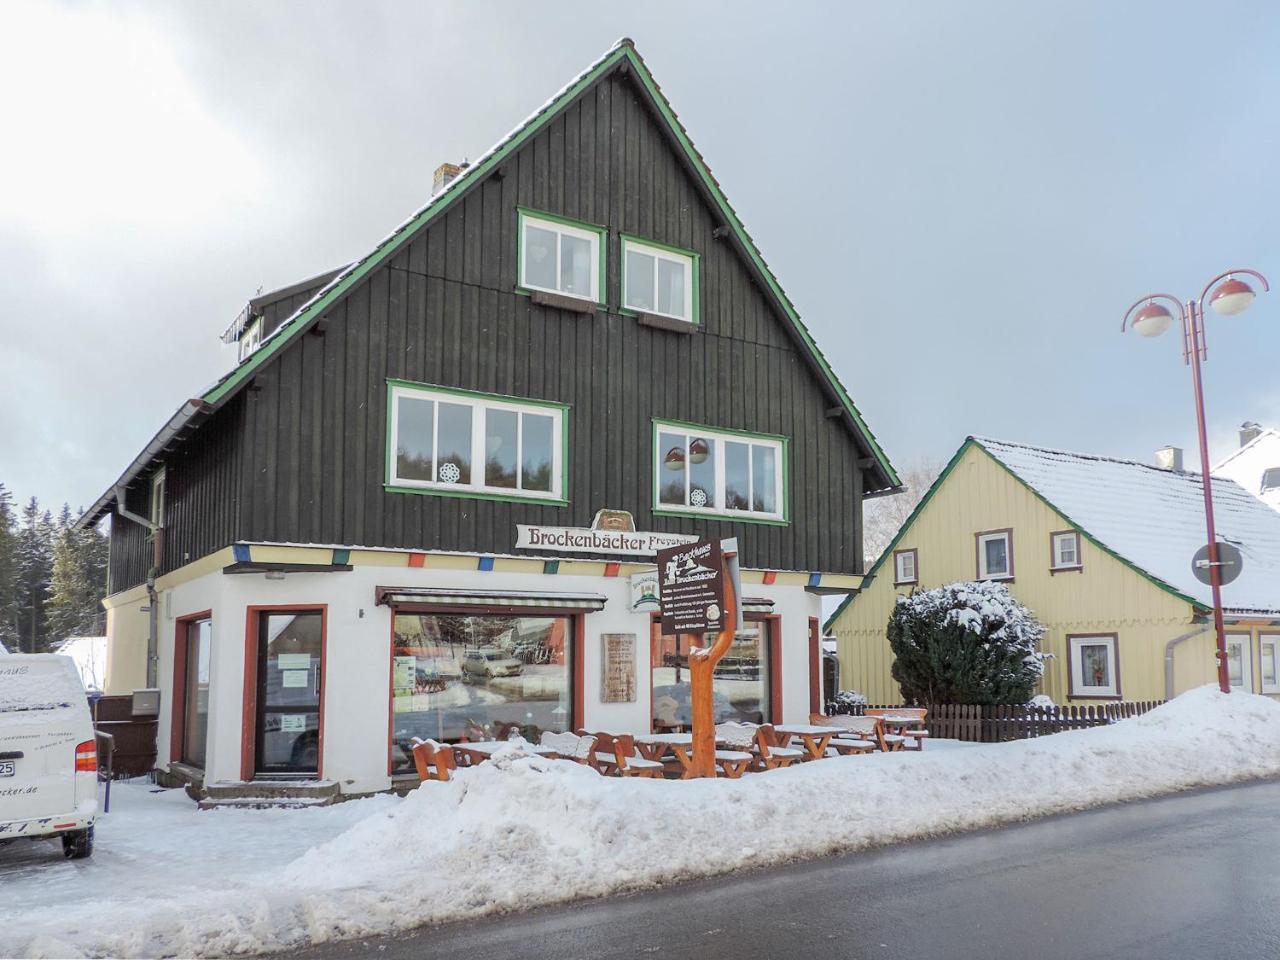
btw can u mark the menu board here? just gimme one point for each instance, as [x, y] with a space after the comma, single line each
[618, 673]
[691, 588]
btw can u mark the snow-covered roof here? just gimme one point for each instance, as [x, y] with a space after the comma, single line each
[1154, 519]
[345, 278]
[90, 657]
[1267, 436]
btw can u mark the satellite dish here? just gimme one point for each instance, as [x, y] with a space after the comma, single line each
[1230, 563]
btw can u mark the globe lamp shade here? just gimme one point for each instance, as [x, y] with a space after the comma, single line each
[698, 450]
[1231, 296]
[1152, 320]
[674, 460]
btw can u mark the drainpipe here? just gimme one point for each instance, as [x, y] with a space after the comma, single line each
[1168, 656]
[153, 615]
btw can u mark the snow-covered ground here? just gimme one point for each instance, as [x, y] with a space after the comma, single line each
[521, 831]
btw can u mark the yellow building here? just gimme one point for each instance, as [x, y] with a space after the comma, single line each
[1101, 552]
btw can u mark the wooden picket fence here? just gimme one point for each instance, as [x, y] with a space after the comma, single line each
[998, 722]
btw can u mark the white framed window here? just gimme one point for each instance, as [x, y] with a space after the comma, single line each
[995, 555]
[1240, 661]
[561, 256]
[155, 508]
[703, 471]
[464, 443]
[1095, 667]
[251, 338]
[1269, 648]
[1064, 550]
[659, 279]
[906, 566]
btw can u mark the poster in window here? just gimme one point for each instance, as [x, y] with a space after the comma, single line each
[618, 671]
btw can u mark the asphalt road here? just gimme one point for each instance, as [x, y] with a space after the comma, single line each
[1196, 876]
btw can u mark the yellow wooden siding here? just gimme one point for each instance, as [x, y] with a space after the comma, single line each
[1107, 596]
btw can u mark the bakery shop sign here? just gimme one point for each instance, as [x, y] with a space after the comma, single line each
[612, 531]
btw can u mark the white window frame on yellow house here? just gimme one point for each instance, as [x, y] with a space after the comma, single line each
[1077, 689]
[900, 572]
[989, 536]
[1269, 642]
[1057, 540]
[1245, 643]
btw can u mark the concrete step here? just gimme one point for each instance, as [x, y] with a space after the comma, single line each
[269, 793]
[265, 803]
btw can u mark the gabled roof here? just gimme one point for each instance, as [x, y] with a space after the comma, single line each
[1148, 518]
[1268, 435]
[622, 55]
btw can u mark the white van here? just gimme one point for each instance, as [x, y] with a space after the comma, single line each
[48, 755]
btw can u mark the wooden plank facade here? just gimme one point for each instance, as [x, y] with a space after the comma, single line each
[299, 455]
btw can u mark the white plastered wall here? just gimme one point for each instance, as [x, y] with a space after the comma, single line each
[358, 660]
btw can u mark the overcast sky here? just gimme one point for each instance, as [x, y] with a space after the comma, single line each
[961, 199]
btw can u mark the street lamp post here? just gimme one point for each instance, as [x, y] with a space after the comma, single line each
[1150, 318]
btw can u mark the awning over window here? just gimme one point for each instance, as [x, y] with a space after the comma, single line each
[440, 597]
[757, 605]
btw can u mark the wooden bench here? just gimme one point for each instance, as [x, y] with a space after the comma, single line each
[434, 761]
[615, 755]
[773, 754]
[571, 746]
[908, 736]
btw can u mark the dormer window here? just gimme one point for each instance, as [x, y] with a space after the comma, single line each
[560, 256]
[251, 339]
[1270, 479]
[660, 280]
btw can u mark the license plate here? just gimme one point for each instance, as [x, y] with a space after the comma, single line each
[7, 768]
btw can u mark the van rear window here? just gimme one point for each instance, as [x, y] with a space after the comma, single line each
[45, 686]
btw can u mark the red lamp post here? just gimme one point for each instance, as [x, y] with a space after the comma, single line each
[1150, 318]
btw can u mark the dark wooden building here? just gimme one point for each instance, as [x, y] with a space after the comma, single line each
[572, 354]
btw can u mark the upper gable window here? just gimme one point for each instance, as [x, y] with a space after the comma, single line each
[561, 256]
[659, 279]
[251, 338]
[1065, 551]
[719, 472]
[906, 566]
[461, 443]
[995, 555]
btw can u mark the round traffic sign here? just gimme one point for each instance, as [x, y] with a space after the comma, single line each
[1230, 563]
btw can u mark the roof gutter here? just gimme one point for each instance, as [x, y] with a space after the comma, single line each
[1168, 656]
[178, 423]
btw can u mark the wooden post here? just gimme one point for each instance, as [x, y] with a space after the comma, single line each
[702, 665]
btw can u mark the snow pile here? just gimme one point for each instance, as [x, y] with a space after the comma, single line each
[528, 831]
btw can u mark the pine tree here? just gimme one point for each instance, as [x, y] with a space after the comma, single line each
[8, 572]
[34, 556]
[78, 581]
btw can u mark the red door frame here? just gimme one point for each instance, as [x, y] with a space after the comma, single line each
[249, 714]
[578, 624]
[178, 720]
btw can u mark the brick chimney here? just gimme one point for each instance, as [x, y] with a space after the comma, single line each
[1248, 431]
[1169, 458]
[445, 174]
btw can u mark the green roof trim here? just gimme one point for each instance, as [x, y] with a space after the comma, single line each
[357, 271]
[937, 484]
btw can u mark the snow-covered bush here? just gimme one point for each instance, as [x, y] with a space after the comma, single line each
[965, 643]
[848, 699]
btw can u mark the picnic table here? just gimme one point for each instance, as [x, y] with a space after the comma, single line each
[815, 739]
[477, 751]
[654, 746]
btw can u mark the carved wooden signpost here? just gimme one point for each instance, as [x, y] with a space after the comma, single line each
[700, 594]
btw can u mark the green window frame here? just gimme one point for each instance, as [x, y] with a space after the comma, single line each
[562, 227]
[725, 474]
[481, 468]
[661, 253]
